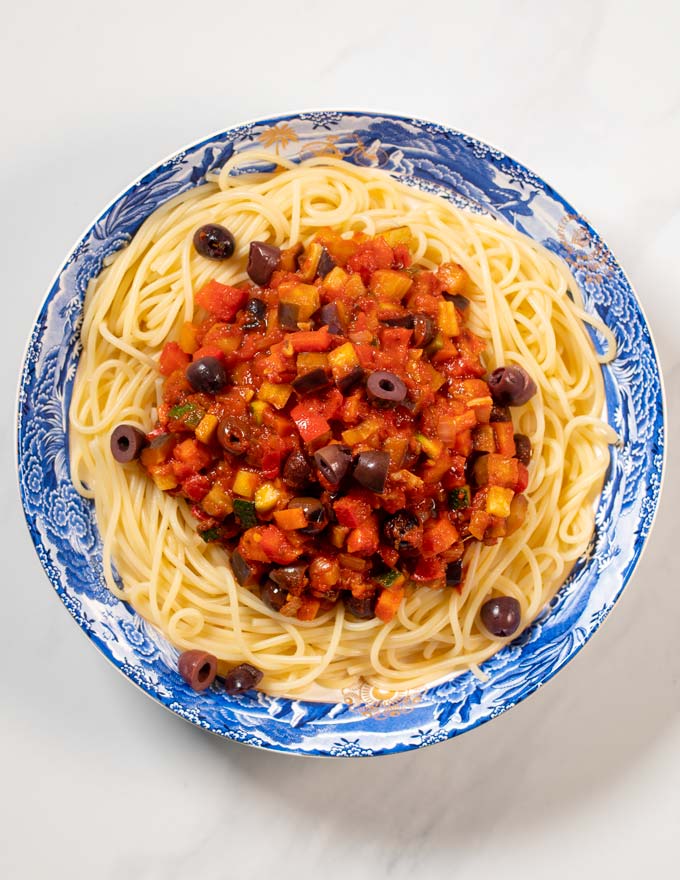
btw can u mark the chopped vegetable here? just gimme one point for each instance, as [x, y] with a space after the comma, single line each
[334, 423]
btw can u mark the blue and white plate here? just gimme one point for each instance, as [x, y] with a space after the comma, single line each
[362, 722]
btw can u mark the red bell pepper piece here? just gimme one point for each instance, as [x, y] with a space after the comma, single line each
[209, 351]
[221, 300]
[309, 422]
[173, 358]
[311, 340]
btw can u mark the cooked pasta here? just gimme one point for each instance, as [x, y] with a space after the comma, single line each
[524, 304]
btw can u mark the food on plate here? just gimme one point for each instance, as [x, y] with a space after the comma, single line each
[335, 427]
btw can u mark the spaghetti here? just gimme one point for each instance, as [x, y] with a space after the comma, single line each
[524, 303]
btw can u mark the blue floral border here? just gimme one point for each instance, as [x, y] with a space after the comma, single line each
[437, 159]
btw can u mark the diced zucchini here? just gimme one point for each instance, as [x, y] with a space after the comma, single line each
[390, 579]
[361, 433]
[431, 448]
[459, 498]
[187, 413]
[244, 511]
[210, 534]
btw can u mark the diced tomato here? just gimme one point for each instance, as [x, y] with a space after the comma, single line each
[438, 536]
[221, 300]
[309, 609]
[370, 256]
[393, 499]
[176, 387]
[196, 487]
[522, 478]
[388, 603]
[394, 350]
[429, 570]
[192, 453]
[402, 256]
[389, 555]
[354, 509]
[365, 539]
[173, 358]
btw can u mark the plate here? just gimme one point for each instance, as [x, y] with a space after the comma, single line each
[361, 722]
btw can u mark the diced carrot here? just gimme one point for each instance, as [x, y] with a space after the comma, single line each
[311, 340]
[478, 523]
[505, 440]
[388, 603]
[291, 518]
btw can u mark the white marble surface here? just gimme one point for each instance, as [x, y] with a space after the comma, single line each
[581, 780]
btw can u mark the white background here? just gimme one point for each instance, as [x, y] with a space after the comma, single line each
[583, 780]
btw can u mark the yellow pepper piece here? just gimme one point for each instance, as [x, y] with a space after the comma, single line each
[266, 498]
[258, 408]
[217, 502]
[361, 433]
[277, 395]
[206, 428]
[165, 481]
[498, 501]
[431, 448]
[245, 484]
[447, 319]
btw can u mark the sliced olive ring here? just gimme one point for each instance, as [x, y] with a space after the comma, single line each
[385, 388]
[127, 443]
[197, 668]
